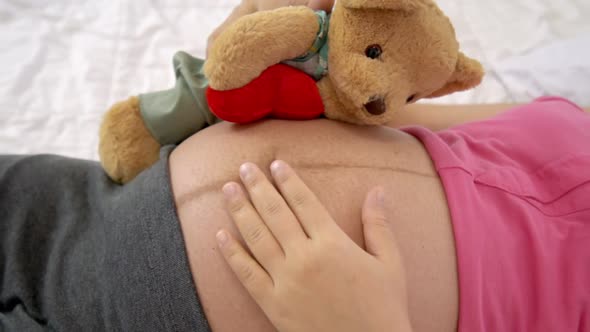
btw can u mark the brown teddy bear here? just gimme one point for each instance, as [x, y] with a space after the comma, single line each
[369, 57]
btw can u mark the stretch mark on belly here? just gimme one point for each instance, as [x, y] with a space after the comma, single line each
[215, 184]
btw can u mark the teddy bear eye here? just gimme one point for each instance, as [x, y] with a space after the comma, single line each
[410, 99]
[373, 51]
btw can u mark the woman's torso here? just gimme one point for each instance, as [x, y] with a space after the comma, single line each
[518, 188]
[340, 163]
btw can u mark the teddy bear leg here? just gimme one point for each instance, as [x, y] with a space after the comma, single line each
[126, 146]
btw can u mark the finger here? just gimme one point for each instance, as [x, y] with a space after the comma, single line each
[379, 239]
[257, 236]
[272, 208]
[249, 272]
[325, 5]
[307, 208]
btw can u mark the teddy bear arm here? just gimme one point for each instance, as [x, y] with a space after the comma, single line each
[255, 42]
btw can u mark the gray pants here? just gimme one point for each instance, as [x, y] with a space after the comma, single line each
[80, 253]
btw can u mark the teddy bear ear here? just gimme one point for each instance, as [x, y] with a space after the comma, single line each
[468, 74]
[406, 5]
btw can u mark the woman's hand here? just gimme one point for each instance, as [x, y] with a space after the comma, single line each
[251, 6]
[304, 272]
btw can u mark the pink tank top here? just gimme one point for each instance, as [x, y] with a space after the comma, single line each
[518, 188]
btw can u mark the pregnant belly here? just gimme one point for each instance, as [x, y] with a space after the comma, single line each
[340, 163]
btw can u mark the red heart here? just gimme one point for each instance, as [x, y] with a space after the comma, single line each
[280, 92]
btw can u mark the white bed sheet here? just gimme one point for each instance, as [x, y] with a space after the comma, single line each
[63, 62]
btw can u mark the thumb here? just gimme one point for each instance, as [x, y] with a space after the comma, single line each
[379, 239]
[325, 5]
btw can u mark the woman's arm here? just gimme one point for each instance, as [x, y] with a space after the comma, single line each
[438, 117]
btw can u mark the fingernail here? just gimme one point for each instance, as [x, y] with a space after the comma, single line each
[247, 172]
[221, 238]
[278, 169]
[230, 190]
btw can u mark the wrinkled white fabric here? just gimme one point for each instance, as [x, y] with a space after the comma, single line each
[64, 62]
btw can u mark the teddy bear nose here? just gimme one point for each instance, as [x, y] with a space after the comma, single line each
[376, 106]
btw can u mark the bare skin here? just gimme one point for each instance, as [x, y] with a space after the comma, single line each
[340, 163]
[294, 269]
[437, 117]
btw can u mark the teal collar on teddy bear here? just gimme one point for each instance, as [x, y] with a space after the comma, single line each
[315, 61]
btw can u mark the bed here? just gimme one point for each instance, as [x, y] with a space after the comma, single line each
[63, 62]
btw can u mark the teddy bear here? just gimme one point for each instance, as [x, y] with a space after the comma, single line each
[361, 64]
